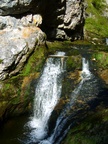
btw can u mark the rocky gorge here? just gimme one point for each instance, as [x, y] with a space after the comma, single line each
[25, 27]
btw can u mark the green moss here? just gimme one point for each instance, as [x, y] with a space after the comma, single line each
[1, 60]
[18, 90]
[65, 45]
[99, 48]
[73, 62]
[35, 62]
[58, 46]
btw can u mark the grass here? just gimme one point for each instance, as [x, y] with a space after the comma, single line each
[96, 25]
[101, 59]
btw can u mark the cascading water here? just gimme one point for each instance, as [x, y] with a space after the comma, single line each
[47, 94]
[89, 92]
[85, 69]
[62, 126]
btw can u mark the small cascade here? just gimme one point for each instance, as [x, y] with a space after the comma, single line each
[47, 94]
[86, 74]
[60, 131]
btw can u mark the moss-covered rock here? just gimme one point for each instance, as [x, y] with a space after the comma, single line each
[73, 62]
[16, 93]
[100, 64]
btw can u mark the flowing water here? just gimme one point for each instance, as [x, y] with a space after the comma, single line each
[47, 95]
[60, 131]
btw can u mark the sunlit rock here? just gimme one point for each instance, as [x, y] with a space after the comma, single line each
[18, 38]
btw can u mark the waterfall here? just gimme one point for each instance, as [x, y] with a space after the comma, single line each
[59, 131]
[47, 94]
[86, 74]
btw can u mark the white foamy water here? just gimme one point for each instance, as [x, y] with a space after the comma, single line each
[47, 94]
[86, 74]
[63, 119]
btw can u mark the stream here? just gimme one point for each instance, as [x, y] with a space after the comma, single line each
[34, 129]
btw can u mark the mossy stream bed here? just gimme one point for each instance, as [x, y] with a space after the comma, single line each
[18, 92]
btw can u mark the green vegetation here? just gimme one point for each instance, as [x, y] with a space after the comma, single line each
[73, 62]
[58, 46]
[99, 5]
[101, 60]
[67, 46]
[35, 62]
[1, 60]
[96, 25]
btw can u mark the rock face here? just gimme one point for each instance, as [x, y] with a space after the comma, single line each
[64, 19]
[18, 38]
[19, 32]
[14, 6]
[17, 93]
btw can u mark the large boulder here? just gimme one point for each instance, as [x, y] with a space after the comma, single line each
[18, 38]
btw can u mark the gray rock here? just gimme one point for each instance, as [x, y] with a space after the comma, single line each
[17, 42]
[64, 15]
[14, 6]
[12, 22]
[62, 19]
